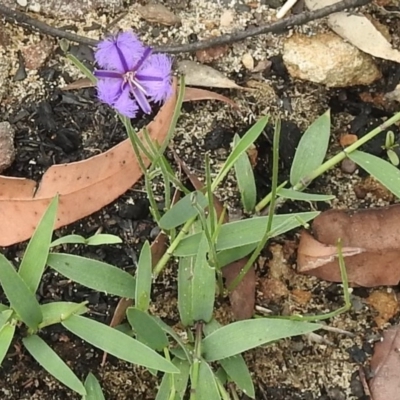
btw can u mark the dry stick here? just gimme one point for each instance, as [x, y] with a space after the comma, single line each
[20, 18]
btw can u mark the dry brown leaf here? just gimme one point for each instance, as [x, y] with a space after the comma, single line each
[370, 241]
[385, 304]
[358, 30]
[202, 75]
[212, 53]
[242, 298]
[196, 94]
[79, 84]
[159, 14]
[84, 187]
[385, 366]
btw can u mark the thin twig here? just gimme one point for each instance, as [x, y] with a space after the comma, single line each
[22, 19]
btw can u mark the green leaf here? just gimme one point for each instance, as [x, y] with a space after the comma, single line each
[312, 149]
[183, 210]
[166, 328]
[52, 363]
[82, 68]
[34, 260]
[5, 316]
[174, 383]
[393, 157]
[245, 232]
[235, 366]
[103, 238]
[94, 274]
[54, 313]
[147, 330]
[3, 307]
[143, 278]
[93, 388]
[226, 257]
[6, 336]
[245, 180]
[244, 143]
[21, 299]
[240, 336]
[381, 170]
[117, 343]
[296, 195]
[68, 239]
[196, 286]
[207, 387]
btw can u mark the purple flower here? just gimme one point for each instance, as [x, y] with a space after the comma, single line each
[131, 75]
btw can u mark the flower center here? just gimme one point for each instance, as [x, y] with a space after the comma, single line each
[129, 78]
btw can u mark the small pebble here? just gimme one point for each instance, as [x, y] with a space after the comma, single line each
[7, 150]
[348, 166]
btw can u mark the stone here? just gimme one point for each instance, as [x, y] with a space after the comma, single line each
[5, 66]
[35, 55]
[327, 59]
[7, 149]
[159, 14]
[248, 61]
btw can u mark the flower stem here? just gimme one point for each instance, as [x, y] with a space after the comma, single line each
[194, 376]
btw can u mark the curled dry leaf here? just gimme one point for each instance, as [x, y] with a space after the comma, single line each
[359, 31]
[196, 94]
[202, 75]
[84, 186]
[212, 53]
[159, 14]
[371, 246]
[242, 298]
[385, 366]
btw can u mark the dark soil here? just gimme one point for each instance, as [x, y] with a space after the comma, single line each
[60, 127]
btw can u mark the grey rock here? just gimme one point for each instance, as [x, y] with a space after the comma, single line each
[7, 150]
[5, 66]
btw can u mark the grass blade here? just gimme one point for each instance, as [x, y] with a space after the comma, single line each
[6, 336]
[93, 388]
[143, 278]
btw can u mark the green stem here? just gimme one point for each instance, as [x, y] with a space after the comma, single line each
[194, 376]
[334, 160]
[266, 236]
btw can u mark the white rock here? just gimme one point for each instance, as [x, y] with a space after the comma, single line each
[227, 18]
[7, 150]
[248, 61]
[327, 59]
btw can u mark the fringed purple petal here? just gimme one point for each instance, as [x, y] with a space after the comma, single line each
[108, 52]
[157, 66]
[109, 90]
[125, 105]
[141, 100]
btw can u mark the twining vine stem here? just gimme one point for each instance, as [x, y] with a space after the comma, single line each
[24, 20]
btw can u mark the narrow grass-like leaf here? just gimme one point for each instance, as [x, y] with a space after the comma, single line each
[34, 261]
[240, 336]
[117, 343]
[93, 388]
[86, 71]
[5, 316]
[147, 330]
[3, 307]
[244, 143]
[103, 238]
[296, 195]
[52, 363]
[203, 284]
[21, 299]
[94, 274]
[6, 336]
[54, 313]
[245, 180]
[381, 170]
[226, 257]
[235, 366]
[166, 328]
[183, 210]
[185, 289]
[207, 387]
[245, 232]
[312, 148]
[68, 239]
[173, 386]
[143, 278]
